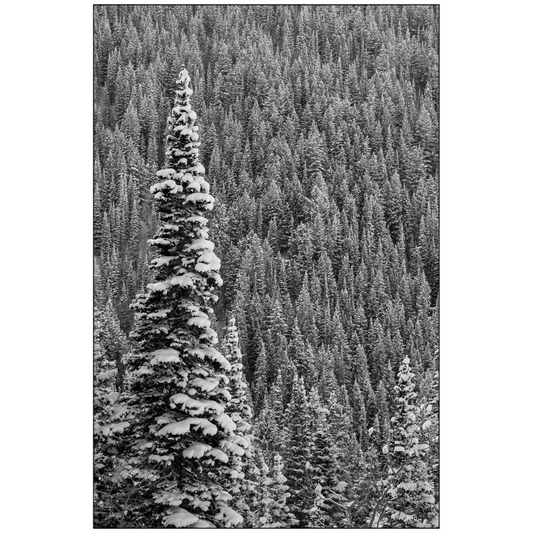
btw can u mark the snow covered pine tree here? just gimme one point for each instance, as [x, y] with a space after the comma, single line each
[408, 495]
[238, 408]
[182, 438]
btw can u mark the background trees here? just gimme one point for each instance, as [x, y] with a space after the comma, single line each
[319, 128]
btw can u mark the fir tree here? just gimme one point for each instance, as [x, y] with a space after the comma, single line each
[297, 452]
[271, 494]
[408, 495]
[183, 435]
[238, 408]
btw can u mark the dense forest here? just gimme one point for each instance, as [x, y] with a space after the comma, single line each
[317, 130]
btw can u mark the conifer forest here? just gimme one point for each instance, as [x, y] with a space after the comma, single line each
[266, 266]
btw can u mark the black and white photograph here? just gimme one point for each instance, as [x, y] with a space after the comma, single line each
[266, 266]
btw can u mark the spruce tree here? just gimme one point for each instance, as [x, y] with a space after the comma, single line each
[239, 409]
[182, 435]
[408, 495]
[297, 452]
[270, 507]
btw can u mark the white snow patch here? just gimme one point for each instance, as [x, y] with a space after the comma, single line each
[180, 518]
[201, 244]
[199, 322]
[156, 287]
[176, 428]
[197, 450]
[168, 355]
[206, 385]
[201, 197]
[229, 516]
[203, 524]
[185, 280]
[219, 455]
[226, 422]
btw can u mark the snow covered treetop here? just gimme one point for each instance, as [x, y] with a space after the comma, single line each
[233, 338]
[183, 77]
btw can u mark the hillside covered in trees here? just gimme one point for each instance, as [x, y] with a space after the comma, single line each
[317, 131]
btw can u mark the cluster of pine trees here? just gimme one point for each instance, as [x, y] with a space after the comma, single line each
[319, 136]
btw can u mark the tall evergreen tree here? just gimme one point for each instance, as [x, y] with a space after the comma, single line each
[183, 435]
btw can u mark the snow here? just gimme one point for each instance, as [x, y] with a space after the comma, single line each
[197, 218]
[163, 260]
[201, 197]
[240, 440]
[180, 518]
[219, 455]
[229, 516]
[203, 351]
[171, 498]
[118, 411]
[143, 370]
[162, 313]
[211, 405]
[201, 244]
[106, 375]
[198, 167]
[185, 280]
[168, 355]
[176, 428]
[114, 428]
[159, 240]
[199, 322]
[206, 267]
[184, 426]
[156, 287]
[202, 524]
[207, 385]
[210, 260]
[165, 173]
[197, 450]
[232, 447]
[200, 406]
[226, 422]
[201, 423]
[184, 400]
[194, 186]
[178, 110]
[209, 333]
[168, 184]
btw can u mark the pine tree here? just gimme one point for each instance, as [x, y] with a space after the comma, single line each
[111, 417]
[410, 500]
[238, 408]
[297, 452]
[270, 506]
[183, 435]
